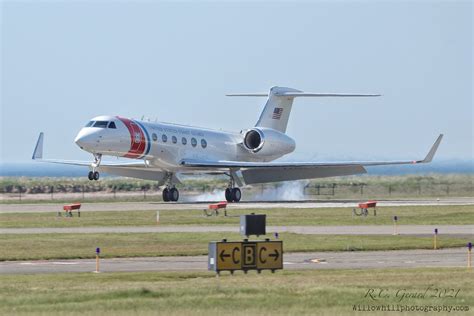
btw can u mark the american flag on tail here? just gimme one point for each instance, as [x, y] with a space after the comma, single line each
[277, 113]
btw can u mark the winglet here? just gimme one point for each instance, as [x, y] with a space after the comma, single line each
[433, 150]
[38, 153]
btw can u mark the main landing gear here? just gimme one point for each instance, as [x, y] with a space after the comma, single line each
[232, 193]
[93, 174]
[170, 193]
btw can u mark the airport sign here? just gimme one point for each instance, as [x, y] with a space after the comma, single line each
[245, 255]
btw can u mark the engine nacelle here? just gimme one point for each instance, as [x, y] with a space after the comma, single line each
[268, 142]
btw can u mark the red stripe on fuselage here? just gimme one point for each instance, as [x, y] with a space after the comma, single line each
[137, 138]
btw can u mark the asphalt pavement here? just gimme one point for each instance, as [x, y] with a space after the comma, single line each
[461, 230]
[454, 257]
[157, 206]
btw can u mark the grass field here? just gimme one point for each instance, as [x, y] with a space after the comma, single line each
[69, 246]
[316, 292]
[421, 215]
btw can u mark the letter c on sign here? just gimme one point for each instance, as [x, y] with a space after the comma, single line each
[260, 254]
[234, 256]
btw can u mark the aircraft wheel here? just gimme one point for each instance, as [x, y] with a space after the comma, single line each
[228, 194]
[96, 175]
[166, 195]
[236, 194]
[174, 194]
[90, 175]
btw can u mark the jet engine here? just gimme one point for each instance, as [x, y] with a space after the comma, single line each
[268, 142]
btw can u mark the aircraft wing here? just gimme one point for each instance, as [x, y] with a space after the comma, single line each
[135, 169]
[262, 172]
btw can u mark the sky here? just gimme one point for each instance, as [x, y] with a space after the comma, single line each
[63, 63]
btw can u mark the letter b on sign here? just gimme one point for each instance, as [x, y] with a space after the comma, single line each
[249, 255]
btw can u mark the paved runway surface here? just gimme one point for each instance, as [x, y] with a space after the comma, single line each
[317, 230]
[455, 257]
[157, 206]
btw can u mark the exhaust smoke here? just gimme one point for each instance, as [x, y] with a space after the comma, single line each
[286, 191]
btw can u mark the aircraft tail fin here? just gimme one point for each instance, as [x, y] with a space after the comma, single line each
[276, 112]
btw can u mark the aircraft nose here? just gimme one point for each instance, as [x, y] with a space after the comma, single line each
[85, 139]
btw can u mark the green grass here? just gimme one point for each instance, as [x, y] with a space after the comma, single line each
[315, 292]
[420, 215]
[69, 246]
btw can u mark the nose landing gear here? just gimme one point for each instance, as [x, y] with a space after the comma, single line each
[93, 174]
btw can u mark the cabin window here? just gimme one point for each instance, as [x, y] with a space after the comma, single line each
[89, 124]
[174, 139]
[164, 138]
[101, 124]
[112, 125]
[154, 136]
[193, 142]
[184, 140]
[203, 143]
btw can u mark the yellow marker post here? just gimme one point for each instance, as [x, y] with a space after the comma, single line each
[395, 227]
[435, 241]
[469, 248]
[97, 252]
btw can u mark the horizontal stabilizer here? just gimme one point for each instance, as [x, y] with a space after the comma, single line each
[264, 94]
[303, 94]
[311, 94]
[277, 109]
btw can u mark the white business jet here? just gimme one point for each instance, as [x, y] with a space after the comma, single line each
[164, 151]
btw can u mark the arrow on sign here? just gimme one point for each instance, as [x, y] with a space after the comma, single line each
[223, 255]
[275, 255]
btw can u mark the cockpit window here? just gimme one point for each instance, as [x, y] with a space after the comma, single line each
[101, 124]
[112, 125]
[89, 124]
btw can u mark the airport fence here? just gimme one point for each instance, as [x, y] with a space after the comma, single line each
[389, 190]
[372, 189]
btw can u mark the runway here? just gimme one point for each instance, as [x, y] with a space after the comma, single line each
[157, 206]
[459, 230]
[454, 257]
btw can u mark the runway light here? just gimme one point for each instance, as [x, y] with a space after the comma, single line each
[97, 252]
[469, 248]
[395, 227]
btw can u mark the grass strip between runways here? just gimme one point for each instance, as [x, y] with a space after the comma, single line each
[73, 246]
